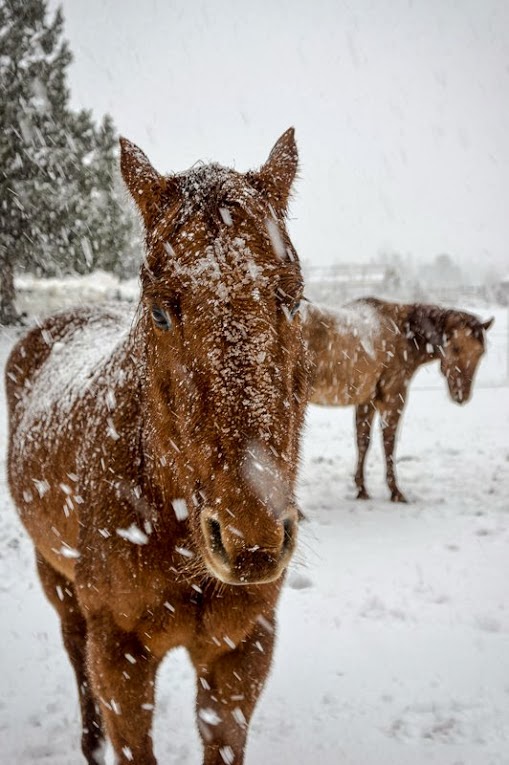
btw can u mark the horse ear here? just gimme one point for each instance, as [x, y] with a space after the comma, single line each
[487, 324]
[147, 187]
[277, 175]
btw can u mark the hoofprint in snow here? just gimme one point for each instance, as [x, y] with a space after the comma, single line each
[393, 644]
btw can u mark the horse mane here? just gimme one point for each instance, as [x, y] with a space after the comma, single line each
[427, 322]
[432, 323]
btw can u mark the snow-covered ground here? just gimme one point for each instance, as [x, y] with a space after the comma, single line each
[393, 645]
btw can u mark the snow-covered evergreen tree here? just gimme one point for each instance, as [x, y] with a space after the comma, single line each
[113, 242]
[58, 210]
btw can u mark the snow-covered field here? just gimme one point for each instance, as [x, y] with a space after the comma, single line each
[393, 645]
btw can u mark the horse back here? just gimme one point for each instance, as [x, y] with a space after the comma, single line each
[59, 379]
[42, 350]
[345, 353]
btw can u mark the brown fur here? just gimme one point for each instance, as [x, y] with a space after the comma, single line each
[156, 478]
[366, 354]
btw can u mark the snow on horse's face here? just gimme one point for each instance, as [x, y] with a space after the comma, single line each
[225, 357]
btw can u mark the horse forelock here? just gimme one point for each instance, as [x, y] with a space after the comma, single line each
[215, 205]
[210, 191]
[208, 187]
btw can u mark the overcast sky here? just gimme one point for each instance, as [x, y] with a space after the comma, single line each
[401, 109]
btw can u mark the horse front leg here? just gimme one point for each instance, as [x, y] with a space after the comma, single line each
[364, 414]
[228, 687]
[390, 409]
[61, 594]
[123, 673]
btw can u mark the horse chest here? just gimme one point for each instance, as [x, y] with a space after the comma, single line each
[206, 623]
[167, 611]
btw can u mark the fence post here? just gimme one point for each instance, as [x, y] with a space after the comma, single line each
[507, 349]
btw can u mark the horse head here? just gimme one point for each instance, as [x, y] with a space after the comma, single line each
[461, 350]
[225, 362]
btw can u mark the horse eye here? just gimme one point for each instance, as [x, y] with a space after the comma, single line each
[291, 312]
[295, 310]
[161, 318]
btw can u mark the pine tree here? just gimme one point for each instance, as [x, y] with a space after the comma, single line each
[113, 242]
[59, 211]
[33, 146]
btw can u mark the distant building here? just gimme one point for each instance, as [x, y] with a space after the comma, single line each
[501, 291]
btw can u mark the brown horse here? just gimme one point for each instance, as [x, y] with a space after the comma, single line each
[153, 460]
[366, 354]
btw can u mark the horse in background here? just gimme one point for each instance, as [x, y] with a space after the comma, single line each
[153, 460]
[365, 355]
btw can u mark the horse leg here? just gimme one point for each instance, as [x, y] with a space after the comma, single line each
[123, 674]
[390, 408]
[60, 592]
[364, 414]
[228, 687]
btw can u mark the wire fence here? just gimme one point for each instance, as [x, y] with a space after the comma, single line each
[43, 296]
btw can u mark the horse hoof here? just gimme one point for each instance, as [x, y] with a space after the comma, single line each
[397, 496]
[362, 494]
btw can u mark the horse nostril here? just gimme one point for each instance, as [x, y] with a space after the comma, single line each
[215, 538]
[289, 531]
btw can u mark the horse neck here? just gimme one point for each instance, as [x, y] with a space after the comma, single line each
[426, 353]
[424, 349]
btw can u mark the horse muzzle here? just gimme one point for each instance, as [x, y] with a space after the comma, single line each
[460, 395]
[239, 558]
